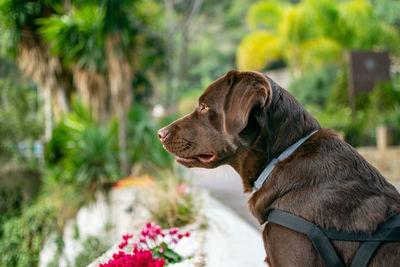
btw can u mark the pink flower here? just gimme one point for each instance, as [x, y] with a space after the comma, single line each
[152, 237]
[183, 189]
[127, 236]
[145, 232]
[139, 258]
[123, 244]
[158, 230]
[173, 231]
[119, 255]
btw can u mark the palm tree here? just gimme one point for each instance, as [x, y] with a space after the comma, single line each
[77, 38]
[22, 40]
[100, 41]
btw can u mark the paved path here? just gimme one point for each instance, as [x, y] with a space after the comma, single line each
[231, 242]
[225, 185]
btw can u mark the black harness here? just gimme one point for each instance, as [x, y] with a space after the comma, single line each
[320, 238]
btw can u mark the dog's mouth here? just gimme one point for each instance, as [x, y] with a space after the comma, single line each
[203, 157]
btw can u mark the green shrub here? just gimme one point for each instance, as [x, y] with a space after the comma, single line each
[83, 152]
[23, 237]
[82, 158]
[19, 187]
[92, 248]
[313, 88]
[379, 107]
[145, 149]
[20, 119]
[171, 202]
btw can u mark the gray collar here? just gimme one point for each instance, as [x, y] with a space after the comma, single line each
[266, 172]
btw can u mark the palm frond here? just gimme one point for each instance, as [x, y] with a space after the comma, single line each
[77, 37]
[257, 50]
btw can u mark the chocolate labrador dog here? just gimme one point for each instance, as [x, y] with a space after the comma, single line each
[246, 120]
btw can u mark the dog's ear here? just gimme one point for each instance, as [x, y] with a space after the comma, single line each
[248, 90]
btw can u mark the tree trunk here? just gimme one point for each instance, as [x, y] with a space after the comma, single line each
[120, 79]
[93, 89]
[48, 122]
[34, 60]
[183, 55]
[168, 4]
[185, 27]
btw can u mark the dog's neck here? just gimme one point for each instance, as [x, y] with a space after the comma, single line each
[276, 134]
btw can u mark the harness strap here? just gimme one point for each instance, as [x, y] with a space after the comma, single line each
[317, 237]
[364, 253]
[389, 232]
[382, 234]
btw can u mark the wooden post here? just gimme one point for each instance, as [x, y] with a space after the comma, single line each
[350, 87]
[382, 144]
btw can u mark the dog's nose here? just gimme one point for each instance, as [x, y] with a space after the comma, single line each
[162, 133]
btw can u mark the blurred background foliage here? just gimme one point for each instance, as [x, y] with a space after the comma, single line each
[80, 80]
[312, 33]
[171, 202]
[311, 39]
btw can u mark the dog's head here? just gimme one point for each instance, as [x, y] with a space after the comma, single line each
[229, 116]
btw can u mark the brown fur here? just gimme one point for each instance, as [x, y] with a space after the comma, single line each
[249, 121]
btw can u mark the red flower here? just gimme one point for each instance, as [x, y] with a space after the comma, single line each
[152, 237]
[145, 232]
[139, 258]
[127, 236]
[173, 231]
[158, 230]
[123, 244]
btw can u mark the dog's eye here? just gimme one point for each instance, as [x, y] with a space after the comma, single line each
[204, 108]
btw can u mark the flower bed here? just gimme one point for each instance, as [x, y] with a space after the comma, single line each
[154, 248]
[139, 258]
[183, 247]
[178, 247]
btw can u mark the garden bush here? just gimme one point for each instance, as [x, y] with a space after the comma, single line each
[92, 248]
[81, 160]
[146, 151]
[23, 237]
[313, 88]
[20, 120]
[171, 202]
[379, 107]
[327, 99]
[154, 247]
[83, 152]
